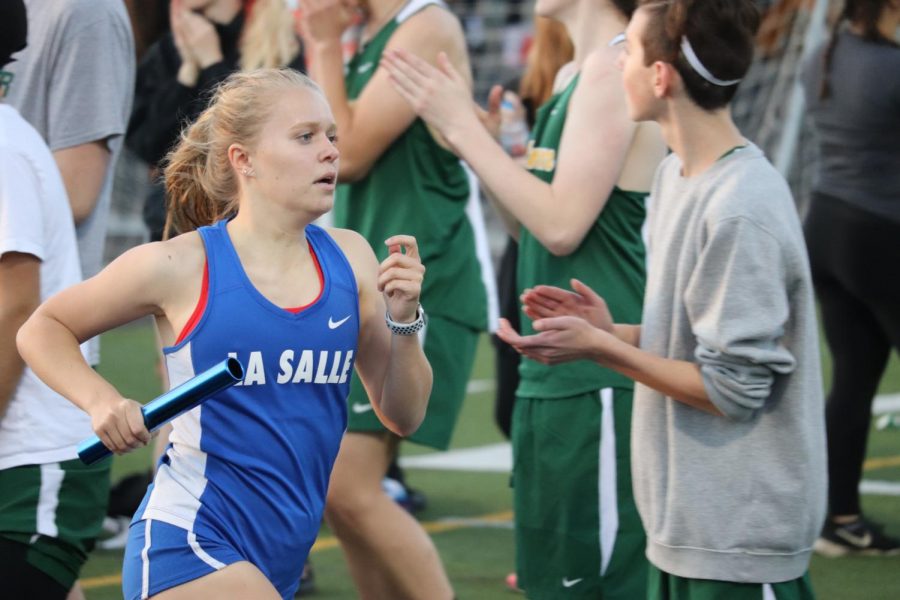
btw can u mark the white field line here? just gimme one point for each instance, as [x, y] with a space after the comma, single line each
[886, 403]
[477, 386]
[879, 488]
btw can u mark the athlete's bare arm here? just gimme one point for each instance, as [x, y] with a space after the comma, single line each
[153, 279]
[371, 123]
[567, 338]
[83, 169]
[577, 325]
[596, 143]
[393, 368]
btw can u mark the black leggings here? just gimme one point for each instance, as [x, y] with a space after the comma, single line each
[506, 358]
[855, 259]
[20, 579]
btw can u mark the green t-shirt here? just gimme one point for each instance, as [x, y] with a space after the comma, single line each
[610, 260]
[418, 188]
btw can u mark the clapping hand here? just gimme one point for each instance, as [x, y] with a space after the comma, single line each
[491, 116]
[439, 95]
[570, 325]
[546, 301]
[559, 340]
[322, 21]
[196, 40]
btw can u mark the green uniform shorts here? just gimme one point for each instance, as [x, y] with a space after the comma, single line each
[664, 586]
[56, 510]
[450, 348]
[578, 534]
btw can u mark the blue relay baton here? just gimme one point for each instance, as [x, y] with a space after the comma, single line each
[176, 401]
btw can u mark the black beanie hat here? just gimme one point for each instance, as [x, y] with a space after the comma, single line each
[13, 29]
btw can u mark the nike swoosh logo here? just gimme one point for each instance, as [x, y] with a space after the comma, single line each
[567, 583]
[364, 67]
[359, 408]
[862, 541]
[335, 324]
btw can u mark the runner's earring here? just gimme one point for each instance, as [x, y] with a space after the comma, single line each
[248, 172]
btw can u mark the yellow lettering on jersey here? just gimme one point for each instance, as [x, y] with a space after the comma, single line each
[540, 159]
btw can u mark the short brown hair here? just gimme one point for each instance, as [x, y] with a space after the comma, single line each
[721, 32]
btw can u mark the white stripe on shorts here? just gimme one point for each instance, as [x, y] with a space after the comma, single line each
[768, 592]
[482, 248]
[48, 499]
[609, 497]
[201, 553]
[145, 562]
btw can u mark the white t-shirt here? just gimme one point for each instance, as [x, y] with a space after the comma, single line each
[39, 426]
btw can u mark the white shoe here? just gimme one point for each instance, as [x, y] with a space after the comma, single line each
[116, 531]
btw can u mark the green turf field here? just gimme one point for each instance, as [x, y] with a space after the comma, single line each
[469, 513]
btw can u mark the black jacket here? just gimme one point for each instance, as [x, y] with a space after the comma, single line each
[162, 106]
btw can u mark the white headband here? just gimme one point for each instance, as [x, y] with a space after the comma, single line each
[694, 61]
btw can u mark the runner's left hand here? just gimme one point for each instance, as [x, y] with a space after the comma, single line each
[400, 278]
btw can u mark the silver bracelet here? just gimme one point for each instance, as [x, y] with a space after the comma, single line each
[407, 328]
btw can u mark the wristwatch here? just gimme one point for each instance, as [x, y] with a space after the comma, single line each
[407, 328]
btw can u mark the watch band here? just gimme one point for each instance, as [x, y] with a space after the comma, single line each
[407, 328]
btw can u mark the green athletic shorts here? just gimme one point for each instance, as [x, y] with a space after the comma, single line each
[664, 586]
[450, 348]
[578, 533]
[56, 510]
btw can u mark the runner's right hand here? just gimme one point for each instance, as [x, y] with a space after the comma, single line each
[119, 423]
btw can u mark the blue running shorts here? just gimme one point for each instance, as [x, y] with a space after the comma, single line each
[160, 556]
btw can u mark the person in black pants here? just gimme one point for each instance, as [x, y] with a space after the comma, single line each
[506, 359]
[853, 234]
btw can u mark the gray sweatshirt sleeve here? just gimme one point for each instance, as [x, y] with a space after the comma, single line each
[737, 303]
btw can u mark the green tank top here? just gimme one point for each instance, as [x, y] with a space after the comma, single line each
[610, 260]
[418, 188]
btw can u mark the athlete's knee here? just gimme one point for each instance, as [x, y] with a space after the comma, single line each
[347, 504]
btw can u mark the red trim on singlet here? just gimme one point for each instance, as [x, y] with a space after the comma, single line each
[201, 306]
[204, 296]
[312, 253]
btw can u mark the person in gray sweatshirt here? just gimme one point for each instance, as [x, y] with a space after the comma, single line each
[728, 438]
